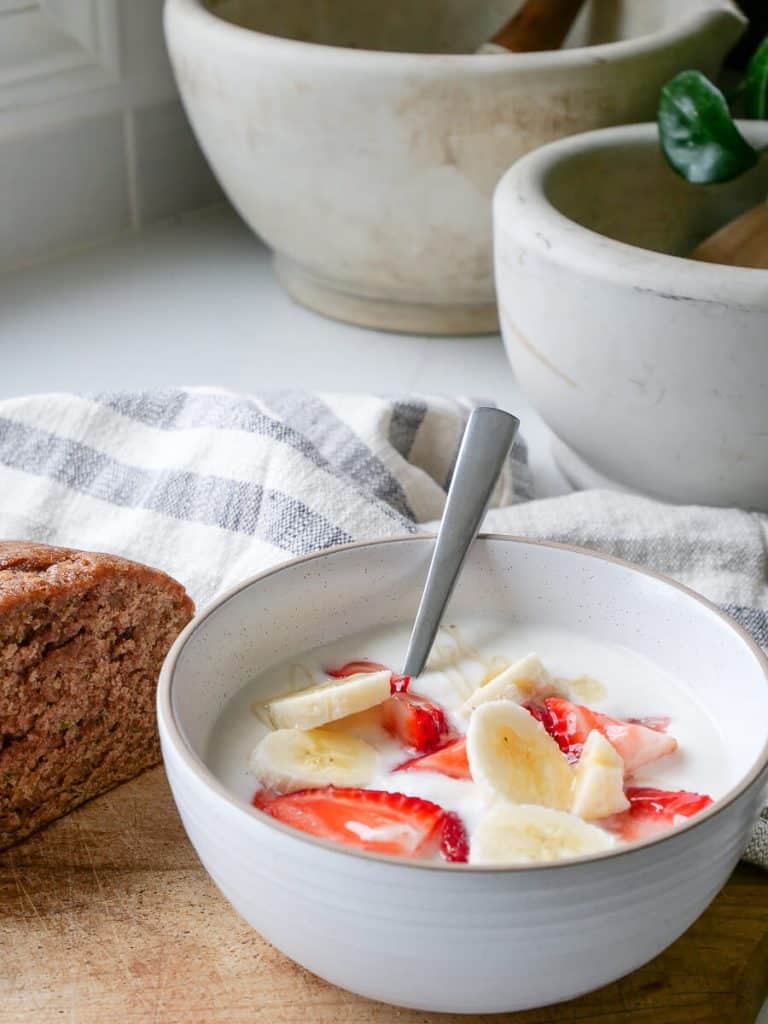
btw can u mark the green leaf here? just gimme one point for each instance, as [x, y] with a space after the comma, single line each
[698, 134]
[756, 82]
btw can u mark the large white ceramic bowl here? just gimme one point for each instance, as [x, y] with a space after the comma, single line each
[651, 369]
[362, 140]
[462, 939]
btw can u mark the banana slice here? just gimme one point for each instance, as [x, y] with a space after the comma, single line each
[598, 785]
[521, 834]
[317, 705]
[291, 759]
[523, 681]
[512, 754]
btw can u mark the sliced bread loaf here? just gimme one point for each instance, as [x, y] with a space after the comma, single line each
[82, 639]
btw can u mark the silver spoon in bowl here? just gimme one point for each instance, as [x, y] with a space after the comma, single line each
[484, 447]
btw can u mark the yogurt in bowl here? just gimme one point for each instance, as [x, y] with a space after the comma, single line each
[587, 734]
[438, 934]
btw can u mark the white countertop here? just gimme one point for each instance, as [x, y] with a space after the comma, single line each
[195, 302]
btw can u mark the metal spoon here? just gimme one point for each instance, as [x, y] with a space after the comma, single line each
[484, 447]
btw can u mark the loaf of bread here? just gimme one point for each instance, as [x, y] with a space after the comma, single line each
[82, 639]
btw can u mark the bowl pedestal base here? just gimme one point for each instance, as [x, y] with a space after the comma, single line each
[325, 297]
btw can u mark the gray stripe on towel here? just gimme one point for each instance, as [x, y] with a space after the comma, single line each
[521, 474]
[404, 424]
[754, 620]
[341, 446]
[174, 409]
[234, 505]
[183, 410]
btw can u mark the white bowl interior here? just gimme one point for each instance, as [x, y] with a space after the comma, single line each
[641, 201]
[438, 26]
[333, 595]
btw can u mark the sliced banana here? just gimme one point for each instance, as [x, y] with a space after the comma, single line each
[585, 689]
[291, 759]
[317, 705]
[521, 834]
[513, 755]
[598, 784]
[525, 680]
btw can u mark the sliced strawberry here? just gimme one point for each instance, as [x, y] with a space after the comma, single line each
[659, 723]
[454, 842]
[542, 714]
[368, 819]
[398, 684]
[649, 800]
[414, 721]
[450, 760]
[570, 724]
[654, 810]
[354, 668]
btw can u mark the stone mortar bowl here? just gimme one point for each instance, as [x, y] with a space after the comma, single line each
[650, 368]
[362, 141]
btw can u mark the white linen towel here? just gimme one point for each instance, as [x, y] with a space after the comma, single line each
[213, 486]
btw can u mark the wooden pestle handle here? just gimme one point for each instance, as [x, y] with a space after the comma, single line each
[743, 242]
[539, 25]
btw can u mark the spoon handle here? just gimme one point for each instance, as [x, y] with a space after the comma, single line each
[484, 447]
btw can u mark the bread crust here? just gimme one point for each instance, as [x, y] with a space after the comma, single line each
[82, 638]
[33, 571]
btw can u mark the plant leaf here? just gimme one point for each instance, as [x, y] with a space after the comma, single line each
[698, 135]
[756, 82]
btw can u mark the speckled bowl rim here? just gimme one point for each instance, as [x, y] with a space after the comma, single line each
[576, 56]
[200, 770]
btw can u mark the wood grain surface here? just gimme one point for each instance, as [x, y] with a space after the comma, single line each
[538, 25]
[107, 916]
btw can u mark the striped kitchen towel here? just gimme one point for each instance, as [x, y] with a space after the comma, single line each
[213, 486]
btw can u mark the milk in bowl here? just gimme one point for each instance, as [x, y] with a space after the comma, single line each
[518, 744]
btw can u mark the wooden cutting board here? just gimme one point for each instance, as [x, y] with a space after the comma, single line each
[107, 916]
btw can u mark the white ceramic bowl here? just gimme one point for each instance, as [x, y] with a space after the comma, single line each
[437, 937]
[370, 171]
[650, 369]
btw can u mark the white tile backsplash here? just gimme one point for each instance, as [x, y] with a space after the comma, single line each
[62, 188]
[142, 44]
[93, 139]
[171, 173]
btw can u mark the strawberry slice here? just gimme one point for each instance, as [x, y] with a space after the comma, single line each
[398, 684]
[367, 819]
[542, 714]
[454, 842]
[354, 668]
[659, 723]
[570, 724]
[450, 760]
[414, 721]
[654, 810]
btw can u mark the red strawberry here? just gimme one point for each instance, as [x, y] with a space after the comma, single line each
[414, 721]
[450, 760]
[570, 724]
[654, 810]
[368, 819]
[454, 843]
[660, 723]
[542, 714]
[353, 668]
[398, 684]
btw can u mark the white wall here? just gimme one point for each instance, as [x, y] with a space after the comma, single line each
[93, 140]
